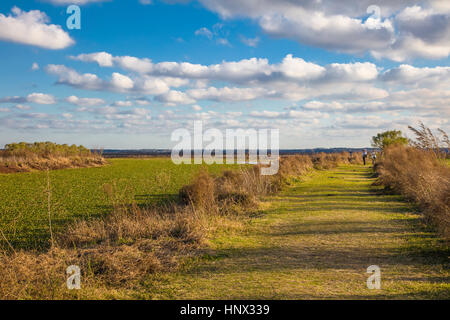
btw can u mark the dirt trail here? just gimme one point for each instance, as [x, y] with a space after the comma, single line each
[315, 241]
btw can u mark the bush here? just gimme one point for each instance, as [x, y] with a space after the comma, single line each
[421, 177]
[21, 157]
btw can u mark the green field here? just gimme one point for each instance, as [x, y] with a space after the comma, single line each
[79, 193]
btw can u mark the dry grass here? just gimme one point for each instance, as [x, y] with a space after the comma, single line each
[117, 251]
[235, 191]
[326, 161]
[12, 163]
[421, 177]
[23, 157]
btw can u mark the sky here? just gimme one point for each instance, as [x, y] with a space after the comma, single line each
[325, 73]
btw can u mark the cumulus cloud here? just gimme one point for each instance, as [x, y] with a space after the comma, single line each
[422, 33]
[227, 94]
[71, 77]
[404, 29]
[296, 115]
[122, 103]
[113, 113]
[32, 28]
[117, 83]
[419, 77]
[103, 59]
[334, 87]
[121, 82]
[85, 102]
[41, 98]
[174, 97]
[242, 71]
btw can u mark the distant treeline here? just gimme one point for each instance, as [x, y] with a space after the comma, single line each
[112, 153]
[44, 149]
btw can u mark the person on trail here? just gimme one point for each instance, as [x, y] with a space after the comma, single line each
[364, 156]
[374, 158]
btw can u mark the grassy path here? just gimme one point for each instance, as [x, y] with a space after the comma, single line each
[316, 240]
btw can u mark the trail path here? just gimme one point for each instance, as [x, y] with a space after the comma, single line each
[315, 240]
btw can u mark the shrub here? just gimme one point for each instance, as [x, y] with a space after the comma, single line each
[421, 177]
[20, 157]
[325, 161]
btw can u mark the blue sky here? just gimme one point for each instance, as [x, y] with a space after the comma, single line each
[325, 75]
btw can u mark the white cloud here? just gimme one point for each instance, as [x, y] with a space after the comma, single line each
[403, 31]
[113, 113]
[223, 41]
[251, 42]
[35, 66]
[118, 82]
[70, 77]
[173, 97]
[103, 59]
[218, 33]
[423, 33]
[300, 69]
[122, 103]
[22, 107]
[121, 82]
[204, 32]
[336, 88]
[134, 64]
[352, 71]
[420, 77]
[85, 102]
[242, 71]
[142, 102]
[265, 114]
[32, 28]
[227, 94]
[41, 98]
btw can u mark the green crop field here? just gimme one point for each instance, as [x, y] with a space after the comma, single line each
[79, 193]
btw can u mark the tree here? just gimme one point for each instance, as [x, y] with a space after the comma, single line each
[387, 138]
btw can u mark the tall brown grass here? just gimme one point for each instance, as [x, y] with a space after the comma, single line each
[114, 252]
[421, 176]
[326, 161]
[23, 157]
